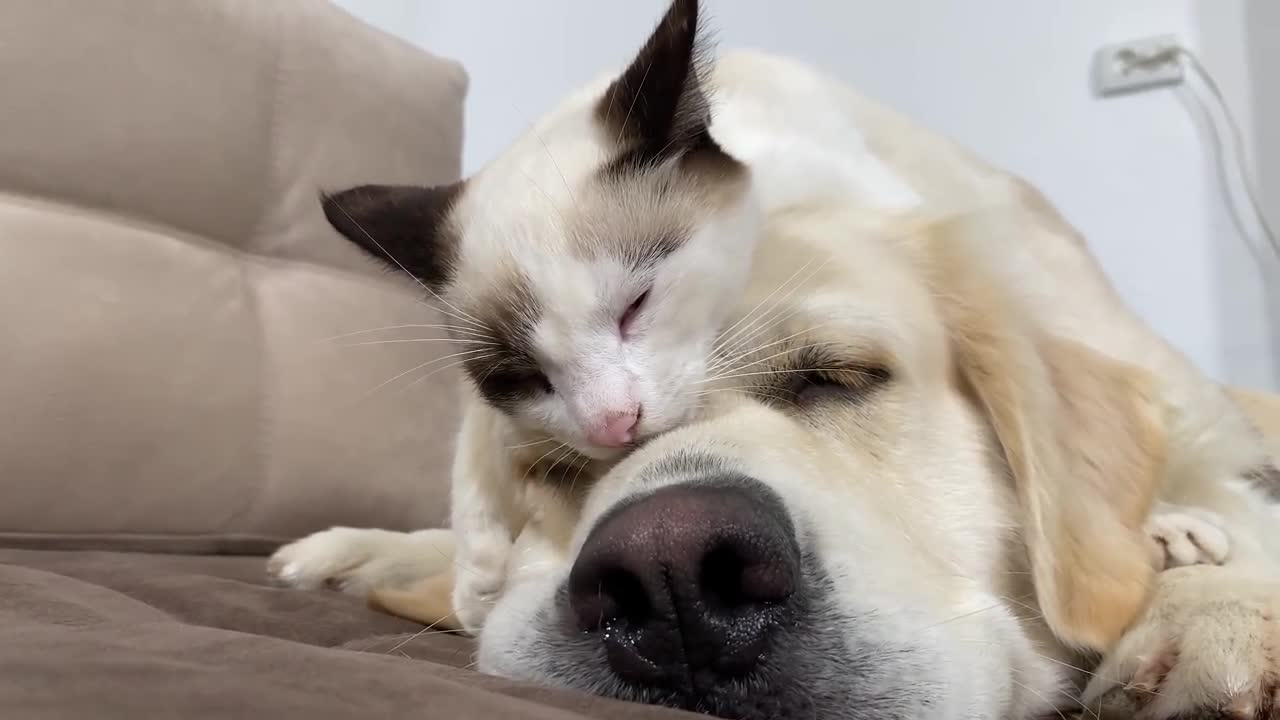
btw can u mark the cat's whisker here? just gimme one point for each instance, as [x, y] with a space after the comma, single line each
[528, 444]
[410, 326]
[740, 362]
[450, 366]
[727, 362]
[550, 203]
[788, 351]
[466, 354]
[758, 332]
[745, 345]
[573, 484]
[792, 372]
[567, 453]
[532, 127]
[778, 303]
[397, 341]
[627, 119]
[748, 391]
[744, 318]
[416, 279]
[534, 464]
[475, 325]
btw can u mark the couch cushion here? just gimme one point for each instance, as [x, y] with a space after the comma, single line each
[173, 376]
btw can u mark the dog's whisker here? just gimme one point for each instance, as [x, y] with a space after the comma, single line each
[1042, 698]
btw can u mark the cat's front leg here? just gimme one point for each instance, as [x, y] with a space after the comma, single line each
[486, 514]
[357, 560]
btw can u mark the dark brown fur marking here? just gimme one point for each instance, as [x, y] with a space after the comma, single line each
[1267, 479]
[405, 226]
[658, 108]
[504, 368]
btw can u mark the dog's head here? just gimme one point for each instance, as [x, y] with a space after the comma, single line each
[904, 495]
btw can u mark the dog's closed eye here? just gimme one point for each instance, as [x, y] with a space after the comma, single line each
[805, 387]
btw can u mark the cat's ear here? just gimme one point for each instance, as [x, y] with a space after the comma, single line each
[405, 226]
[658, 107]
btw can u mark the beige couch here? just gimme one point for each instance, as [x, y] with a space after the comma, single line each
[171, 289]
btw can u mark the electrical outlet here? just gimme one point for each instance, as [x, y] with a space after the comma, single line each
[1137, 65]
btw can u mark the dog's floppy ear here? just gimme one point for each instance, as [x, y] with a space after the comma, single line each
[1083, 436]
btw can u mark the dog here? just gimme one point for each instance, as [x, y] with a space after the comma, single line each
[925, 493]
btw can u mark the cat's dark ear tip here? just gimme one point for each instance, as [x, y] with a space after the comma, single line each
[332, 203]
[405, 226]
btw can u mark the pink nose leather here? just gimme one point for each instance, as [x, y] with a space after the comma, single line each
[615, 429]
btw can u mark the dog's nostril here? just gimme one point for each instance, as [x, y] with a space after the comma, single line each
[690, 578]
[619, 596]
[722, 578]
[731, 577]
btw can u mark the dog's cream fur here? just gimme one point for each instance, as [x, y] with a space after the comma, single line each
[989, 505]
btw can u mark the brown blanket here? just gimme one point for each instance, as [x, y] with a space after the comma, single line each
[118, 635]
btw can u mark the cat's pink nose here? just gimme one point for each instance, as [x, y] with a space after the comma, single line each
[616, 428]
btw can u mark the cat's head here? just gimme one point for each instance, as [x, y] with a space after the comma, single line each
[587, 270]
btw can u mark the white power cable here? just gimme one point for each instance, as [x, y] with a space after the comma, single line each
[1237, 139]
[1179, 53]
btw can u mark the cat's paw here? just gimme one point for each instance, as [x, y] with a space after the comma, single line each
[1187, 537]
[1208, 647]
[478, 582]
[356, 560]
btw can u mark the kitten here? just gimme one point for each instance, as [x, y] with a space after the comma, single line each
[587, 273]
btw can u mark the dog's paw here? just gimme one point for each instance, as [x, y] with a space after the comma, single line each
[1208, 647]
[356, 560]
[478, 582]
[1187, 537]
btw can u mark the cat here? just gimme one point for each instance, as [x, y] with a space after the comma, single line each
[587, 273]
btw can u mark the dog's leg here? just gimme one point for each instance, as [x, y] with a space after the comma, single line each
[1208, 646]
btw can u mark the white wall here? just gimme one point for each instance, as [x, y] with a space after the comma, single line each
[1008, 78]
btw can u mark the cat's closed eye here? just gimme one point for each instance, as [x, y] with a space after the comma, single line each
[629, 315]
[519, 382]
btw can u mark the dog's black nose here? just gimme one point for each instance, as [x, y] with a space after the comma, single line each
[686, 584]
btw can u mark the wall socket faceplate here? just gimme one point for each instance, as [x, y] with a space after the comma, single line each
[1120, 68]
